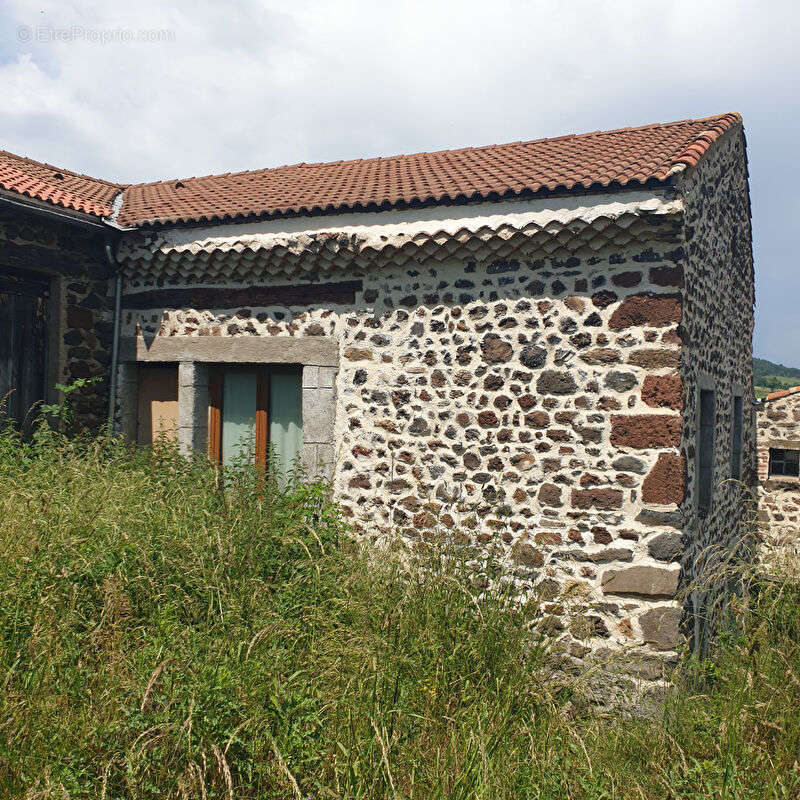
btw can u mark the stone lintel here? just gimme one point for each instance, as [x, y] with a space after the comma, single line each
[308, 350]
[782, 444]
[642, 580]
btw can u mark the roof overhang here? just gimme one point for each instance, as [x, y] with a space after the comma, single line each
[43, 208]
[579, 226]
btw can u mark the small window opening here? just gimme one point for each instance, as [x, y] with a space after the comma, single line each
[736, 439]
[705, 452]
[784, 462]
[255, 417]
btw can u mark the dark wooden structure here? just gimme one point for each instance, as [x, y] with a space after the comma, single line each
[24, 303]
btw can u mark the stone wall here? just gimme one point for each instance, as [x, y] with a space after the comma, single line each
[527, 407]
[81, 300]
[537, 409]
[779, 496]
[717, 330]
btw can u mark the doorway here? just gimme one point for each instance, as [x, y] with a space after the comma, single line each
[24, 301]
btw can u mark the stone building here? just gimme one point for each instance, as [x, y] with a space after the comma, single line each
[55, 307]
[541, 349]
[778, 456]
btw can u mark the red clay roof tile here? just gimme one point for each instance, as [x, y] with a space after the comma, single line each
[623, 157]
[57, 186]
[574, 163]
[782, 393]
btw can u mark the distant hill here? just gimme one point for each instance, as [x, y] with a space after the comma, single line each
[762, 367]
[768, 376]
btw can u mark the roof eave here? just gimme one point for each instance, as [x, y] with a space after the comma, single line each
[578, 190]
[43, 207]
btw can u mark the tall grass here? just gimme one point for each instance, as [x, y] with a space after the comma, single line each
[163, 637]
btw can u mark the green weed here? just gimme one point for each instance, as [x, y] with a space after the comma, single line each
[165, 634]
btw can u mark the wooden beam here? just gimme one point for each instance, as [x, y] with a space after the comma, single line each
[33, 257]
[24, 288]
[262, 419]
[215, 415]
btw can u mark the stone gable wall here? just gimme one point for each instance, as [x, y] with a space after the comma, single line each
[716, 330]
[81, 305]
[779, 497]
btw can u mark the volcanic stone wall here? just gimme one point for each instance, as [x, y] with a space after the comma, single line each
[535, 417]
[779, 496]
[81, 303]
[717, 329]
[540, 411]
[528, 409]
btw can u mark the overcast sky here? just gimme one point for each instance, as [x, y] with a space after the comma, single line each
[225, 86]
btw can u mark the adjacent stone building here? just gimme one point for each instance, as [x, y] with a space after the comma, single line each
[778, 454]
[541, 350]
[55, 293]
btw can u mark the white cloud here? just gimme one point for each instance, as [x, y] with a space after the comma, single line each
[250, 84]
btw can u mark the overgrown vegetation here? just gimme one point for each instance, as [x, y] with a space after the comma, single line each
[163, 638]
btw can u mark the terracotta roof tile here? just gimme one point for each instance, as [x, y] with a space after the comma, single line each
[57, 186]
[620, 158]
[623, 157]
[782, 393]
